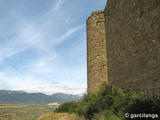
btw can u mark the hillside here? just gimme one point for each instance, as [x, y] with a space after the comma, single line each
[13, 97]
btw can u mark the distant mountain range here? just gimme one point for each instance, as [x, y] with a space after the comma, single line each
[21, 97]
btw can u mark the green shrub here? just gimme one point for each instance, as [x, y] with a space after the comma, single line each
[67, 107]
[105, 115]
[90, 105]
[110, 102]
[115, 100]
[148, 106]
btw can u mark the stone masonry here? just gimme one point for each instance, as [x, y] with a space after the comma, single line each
[132, 43]
[96, 51]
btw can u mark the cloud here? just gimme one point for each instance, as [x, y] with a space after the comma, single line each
[68, 20]
[70, 88]
[71, 31]
[43, 65]
[31, 85]
[3, 85]
[31, 33]
[40, 39]
[68, 33]
[58, 4]
[24, 39]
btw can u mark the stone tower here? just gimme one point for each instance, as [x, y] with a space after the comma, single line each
[127, 33]
[96, 51]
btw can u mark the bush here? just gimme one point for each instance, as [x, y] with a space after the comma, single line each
[110, 102]
[107, 115]
[147, 106]
[69, 107]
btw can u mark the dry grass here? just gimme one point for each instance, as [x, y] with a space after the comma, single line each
[60, 116]
[22, 112]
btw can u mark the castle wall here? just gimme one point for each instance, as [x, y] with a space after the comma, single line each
[96, 51]
[133, 43]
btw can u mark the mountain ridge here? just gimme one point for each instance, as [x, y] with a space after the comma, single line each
[14, 97]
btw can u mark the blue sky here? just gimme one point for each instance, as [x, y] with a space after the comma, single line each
[43, 45]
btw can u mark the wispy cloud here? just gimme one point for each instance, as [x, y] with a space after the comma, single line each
[39, 48]
[31, 33]
[68, 33]
[71, 31]
[58, 4]
[23, 40]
